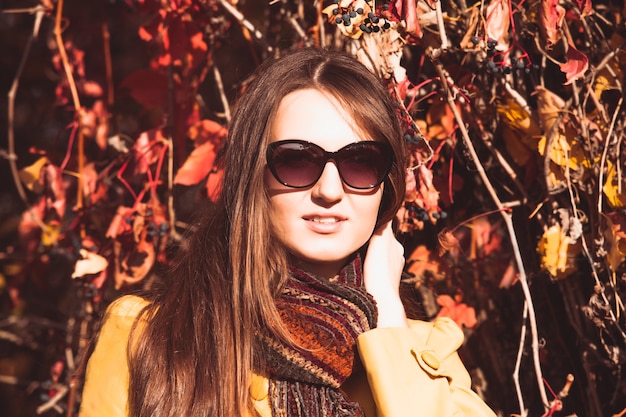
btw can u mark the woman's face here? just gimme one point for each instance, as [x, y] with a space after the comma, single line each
[322, 225]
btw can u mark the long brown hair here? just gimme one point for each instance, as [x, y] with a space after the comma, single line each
[194, 347]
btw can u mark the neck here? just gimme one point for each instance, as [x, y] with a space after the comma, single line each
[324, 270]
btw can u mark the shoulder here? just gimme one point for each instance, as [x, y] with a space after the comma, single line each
[127, 306]
[440, 326]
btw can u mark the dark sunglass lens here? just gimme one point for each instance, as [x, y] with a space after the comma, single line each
[364, 165]
[297, 164]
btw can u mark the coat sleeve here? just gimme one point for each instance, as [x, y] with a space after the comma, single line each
[105, 390]
[417, 371]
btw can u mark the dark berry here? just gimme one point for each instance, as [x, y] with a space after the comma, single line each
[359, 10]
[352, 13]
[386, 25]
[506, 69]
[338, 20]
[336, 11]
[376, 29]
[475, 40]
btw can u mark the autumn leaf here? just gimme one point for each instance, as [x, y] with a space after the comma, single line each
[447, 241]
[208, 137]
[90, 263]
[485, 238]
[566, 149]
[440, 123]
[551, 16]
[585, 7]
[197, 166]
[352, 29]
[428, 194]
[420, 262]
[520, 132]
[406, 11]
[615, 239]
[31, 175]
[611, 187]
[121, 222]
[498, 22]
[207, 130]
[147, 87]
[133, 265]
[461, 313]
[576, 64]
[558, 252]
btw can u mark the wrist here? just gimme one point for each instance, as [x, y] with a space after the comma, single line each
[390, 310]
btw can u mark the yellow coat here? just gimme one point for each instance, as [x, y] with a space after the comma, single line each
[409, 372]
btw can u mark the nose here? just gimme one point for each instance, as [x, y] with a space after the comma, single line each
[329, 187]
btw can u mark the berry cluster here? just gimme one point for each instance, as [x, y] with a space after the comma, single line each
[497, 63]
[421, 214]
[371, 23]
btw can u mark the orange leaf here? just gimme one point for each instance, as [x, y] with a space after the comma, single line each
[197, 166]
[462, 314]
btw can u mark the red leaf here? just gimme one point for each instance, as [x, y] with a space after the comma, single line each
[197, 166]
[576, 65]
[148, 88]
[406, 10]
[551, 20]
[585, 7]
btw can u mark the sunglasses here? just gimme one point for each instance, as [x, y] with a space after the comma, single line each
[299, 164]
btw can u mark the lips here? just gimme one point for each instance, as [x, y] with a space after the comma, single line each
[324, 223]
[325, 220]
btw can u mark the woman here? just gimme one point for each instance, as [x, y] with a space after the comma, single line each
[293, 271]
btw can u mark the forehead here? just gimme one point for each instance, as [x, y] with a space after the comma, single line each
[317, 117]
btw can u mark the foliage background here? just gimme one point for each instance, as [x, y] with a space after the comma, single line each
[514, 217]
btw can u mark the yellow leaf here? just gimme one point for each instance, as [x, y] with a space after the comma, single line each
[30, 175]
[611, 188]
[566, 149]
[50, 234]
[615, 239]
[519, 131]
[558, 252]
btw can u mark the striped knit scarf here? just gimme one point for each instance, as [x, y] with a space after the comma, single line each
[324, 318]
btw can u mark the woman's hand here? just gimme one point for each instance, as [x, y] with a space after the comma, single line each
[382, 270]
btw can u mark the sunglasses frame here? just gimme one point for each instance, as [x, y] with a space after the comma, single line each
[385, 148]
